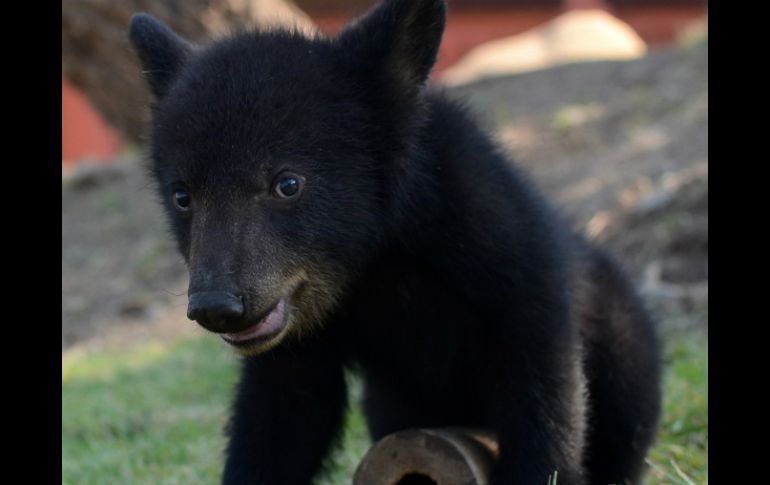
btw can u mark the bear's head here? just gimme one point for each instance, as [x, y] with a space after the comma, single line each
[279, 158]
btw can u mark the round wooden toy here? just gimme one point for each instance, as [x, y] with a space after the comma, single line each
[447, 456]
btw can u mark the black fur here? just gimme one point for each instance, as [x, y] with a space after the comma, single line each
[430, 264]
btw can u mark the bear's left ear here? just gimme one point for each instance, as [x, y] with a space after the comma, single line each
[161, 51]
[401, 36]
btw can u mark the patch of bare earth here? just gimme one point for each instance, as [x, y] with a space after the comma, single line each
[120, 270]
[622, 147]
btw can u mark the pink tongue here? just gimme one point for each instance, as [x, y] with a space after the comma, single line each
[271, 324]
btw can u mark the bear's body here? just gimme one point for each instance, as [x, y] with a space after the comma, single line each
[335, 214]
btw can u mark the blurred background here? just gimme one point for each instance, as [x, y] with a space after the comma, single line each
[603, 102]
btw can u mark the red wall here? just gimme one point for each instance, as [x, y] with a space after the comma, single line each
[84, 134]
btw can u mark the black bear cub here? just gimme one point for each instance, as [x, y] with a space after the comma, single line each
[334, 212]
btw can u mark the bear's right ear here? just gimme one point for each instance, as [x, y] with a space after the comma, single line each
[161, 51]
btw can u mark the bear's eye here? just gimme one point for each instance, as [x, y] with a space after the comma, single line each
[287, 186]
[182, 199]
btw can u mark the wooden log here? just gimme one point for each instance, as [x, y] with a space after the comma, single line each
[447, 456]
[98, 60]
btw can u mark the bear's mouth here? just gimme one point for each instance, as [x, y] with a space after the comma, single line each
[262, 334]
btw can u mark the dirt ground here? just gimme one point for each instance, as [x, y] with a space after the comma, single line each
[621, 147]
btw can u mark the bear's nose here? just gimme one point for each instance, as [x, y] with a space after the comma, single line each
[213, 309]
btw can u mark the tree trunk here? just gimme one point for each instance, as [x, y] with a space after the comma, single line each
[97, 57]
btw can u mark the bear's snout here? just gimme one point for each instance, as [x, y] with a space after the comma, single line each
[215, 310]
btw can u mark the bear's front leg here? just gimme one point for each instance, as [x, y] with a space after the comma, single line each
[287, 415]
[536, 407]
[532, 456]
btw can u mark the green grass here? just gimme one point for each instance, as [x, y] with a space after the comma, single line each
[153, 414]
[148, 415]
[681, 453]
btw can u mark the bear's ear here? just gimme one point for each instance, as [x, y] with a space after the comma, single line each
[160, 50]
[402, 36]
